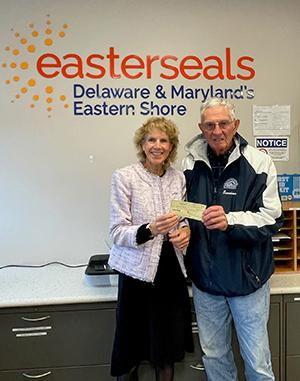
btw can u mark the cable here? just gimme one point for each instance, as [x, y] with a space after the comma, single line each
[44, 265]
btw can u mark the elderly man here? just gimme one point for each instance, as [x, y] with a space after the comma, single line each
[230, 255]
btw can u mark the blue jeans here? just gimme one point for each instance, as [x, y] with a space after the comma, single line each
[250, 314]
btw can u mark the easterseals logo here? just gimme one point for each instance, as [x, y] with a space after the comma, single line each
[132, 66]
[18, 66]
[39, 73]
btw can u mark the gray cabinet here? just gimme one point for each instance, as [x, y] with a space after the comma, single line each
[74, 342]
[192, 368]
[292, 334]
[189, 369]
[275, 328]
[284, 336]
[59, 343]
[90, 373]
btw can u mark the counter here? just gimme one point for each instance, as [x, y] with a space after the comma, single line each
[56, 284]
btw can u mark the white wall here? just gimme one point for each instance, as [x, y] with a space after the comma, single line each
[55, 171]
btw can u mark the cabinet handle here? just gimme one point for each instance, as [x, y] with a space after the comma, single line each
[37, 376]
[30, 334]
[32, 329]
[297, 299]
[195, 327]
[35, 319]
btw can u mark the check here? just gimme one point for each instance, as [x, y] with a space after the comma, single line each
[187, 209]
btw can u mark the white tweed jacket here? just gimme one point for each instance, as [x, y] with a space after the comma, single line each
[137, 198]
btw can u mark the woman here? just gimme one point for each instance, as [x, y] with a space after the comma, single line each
[153, 311]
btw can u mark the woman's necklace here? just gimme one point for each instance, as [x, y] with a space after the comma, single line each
[158, 172]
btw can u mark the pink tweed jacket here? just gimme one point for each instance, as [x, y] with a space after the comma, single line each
[137, 198]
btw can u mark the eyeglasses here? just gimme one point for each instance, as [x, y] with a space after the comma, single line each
[223, 124]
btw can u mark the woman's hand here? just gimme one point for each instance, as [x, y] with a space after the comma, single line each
[180, 238]
[163, 224]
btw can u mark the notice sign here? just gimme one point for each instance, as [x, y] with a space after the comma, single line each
[276, 147]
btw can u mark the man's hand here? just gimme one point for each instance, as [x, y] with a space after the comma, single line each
[214, 217]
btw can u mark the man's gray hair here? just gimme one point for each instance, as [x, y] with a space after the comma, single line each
[215, 102]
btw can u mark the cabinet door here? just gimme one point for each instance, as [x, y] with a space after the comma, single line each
[184, 371]
[190, 369]
[64, 338]
[275, 338]
[187, 371]
[292, 331]
[95, 373]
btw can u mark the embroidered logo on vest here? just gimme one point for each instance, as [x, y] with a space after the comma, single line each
[230, 186]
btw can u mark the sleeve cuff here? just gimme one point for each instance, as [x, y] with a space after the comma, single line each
[143, 234]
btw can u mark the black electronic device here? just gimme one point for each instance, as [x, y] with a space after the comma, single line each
[99, 273]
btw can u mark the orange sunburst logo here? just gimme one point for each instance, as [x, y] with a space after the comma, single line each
[18, 64]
